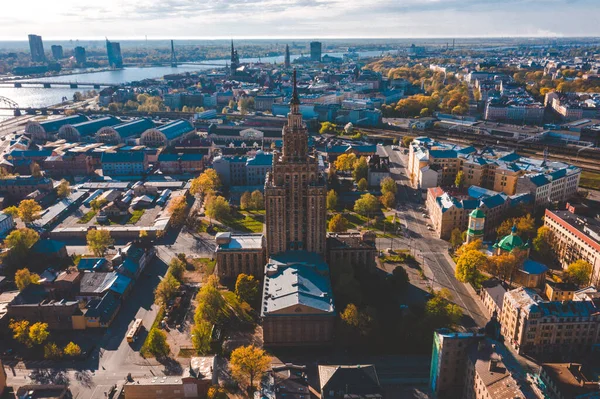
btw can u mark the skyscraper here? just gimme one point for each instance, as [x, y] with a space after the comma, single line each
[315, 51]
[113, 50]
[79, 53]
[295, 192]
[287, 56]
[57, 51]
[36, 47]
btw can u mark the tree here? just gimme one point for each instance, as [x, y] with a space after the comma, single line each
[157, 343]
[72, 349]
[64, 189]
[468, 265]
[345, 162]
[543, 243]
[258, 201]
[98, 241]
[217, 207]
[526, 227]
[406, 140]
[388, 200]
[579, 272]
[456, 238]
[12, 211]
[366, 205]
[35, 170]
[20, 330]
[459, 181]
[114, 107]
[246, 104]
[503, 265]
[361, 169]
[202, 336]
[439, 312]
[166, 289]
[216, 392]
[210, 302]
[332, 200]
[178, 209]
[359, 320]
[38, 333]
[388, 185]
[21, 240]
[24, 278]
[208, 181]
[338, 224]
[246, 288]
[328, 128]
[29, 210]
[98, 203]
[52, 351]
[399, 278]
[177, 268]
[249, 363]
[350, 315]
[362, 185]
[246, 201]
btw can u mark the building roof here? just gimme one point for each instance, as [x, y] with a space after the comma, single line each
[102, 308]
[352, 380]
[570, 379]
[97, 282]
[348, 241]
[260, 159]
[53, 125]
[239, 241]
[176, 129]
[134, 128]
[496, 291]
[477, 214]
[184, 157]
[510, 242]
[298, 280]
[90, 127]
[91, 264]
[123, 157]
[533, 267]
[48, 246]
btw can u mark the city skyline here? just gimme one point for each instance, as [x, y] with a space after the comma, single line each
[182, 19]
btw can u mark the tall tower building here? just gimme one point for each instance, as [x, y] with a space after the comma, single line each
[315, 51]
[476, 225]
[57, 52]
[36, 47]
[79, 53]
[295, 192]
[287, 62]
[235, 59]
[113, 50]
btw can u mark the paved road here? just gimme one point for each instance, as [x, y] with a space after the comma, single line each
[427, 248]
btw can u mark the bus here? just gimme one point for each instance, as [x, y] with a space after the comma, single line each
[134, 330]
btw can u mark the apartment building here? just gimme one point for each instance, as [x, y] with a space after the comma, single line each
[534, 326]
[240, 253]
[573, 106]
[555, 186]
[575, 237]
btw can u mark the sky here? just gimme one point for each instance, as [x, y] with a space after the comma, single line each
[189, 19]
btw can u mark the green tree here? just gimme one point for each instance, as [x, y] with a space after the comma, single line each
[202, 336]
[210, 302]
[338, 224]
[456, 238]
[166, 289]
[63, 190]
[388, 200]
[52, 351]
[579, 272]
[366, 205]
[332, 200]
[388, 185]
[468, 265]
[248, 364]
[217, 207]
[157, 343]
[328, 128]
[459, 181]
[98, 241]
[21, 240]
[38, 333]
[177, 268]
[258, 200]
[72, 349]
[362, 185]
[208, 181]
[98, 203]
[361, 169]
[23, 278]
[543, 243]
[246, 201]
[246, 288]
[439, 312]
[29, 210]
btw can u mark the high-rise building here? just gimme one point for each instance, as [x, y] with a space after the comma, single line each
[36, 47]
[287, 56]
[79, 54]
[113, 50]
[57, 52]
[295, 192]
[315, 51]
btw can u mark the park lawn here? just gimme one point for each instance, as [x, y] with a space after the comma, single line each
[205, 265]
[235, 308]
[590, 180]
[136, 216]
[246, 221]
[87, 217]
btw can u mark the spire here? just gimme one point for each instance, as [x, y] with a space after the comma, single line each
[295, 99]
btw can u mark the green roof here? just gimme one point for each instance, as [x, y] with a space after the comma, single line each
[477, 213]
[511, 242]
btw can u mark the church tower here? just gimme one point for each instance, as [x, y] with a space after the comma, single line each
[476, 225]
[295, 191]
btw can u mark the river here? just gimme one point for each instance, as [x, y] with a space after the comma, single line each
[40, 97]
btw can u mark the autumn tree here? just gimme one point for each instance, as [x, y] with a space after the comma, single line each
[345, 162]
[98, 241]
[38, 333]
[248, 364]
[29, 210]
[217, 207]
[208, 181]
[440, 312]
[456, 238]
[246, 201]
[35, 170]
[388, 200]
[157, 343]
[338, 224]
[360, 320]
[388, 185]
[406, 140]
[246, 288]
[63, 190]
[98, 203]
[210, 302]
[258, 200]
[178, 209]
[362, 185]
[579, 272]
[52, 351]
[23, 278]
[468, 266]
[472, 246]
[20, 330]
[328, 128]
[177, 268]
[543, 243]
[166, 289]
[366, 204]
[332, 200]
[72, 349]
[459, 181]
[361, 169]
[12, 211]
[525, 227]
[21, 240]
[503, 265]
[202, 336]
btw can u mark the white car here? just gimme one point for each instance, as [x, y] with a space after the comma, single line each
[424, 215]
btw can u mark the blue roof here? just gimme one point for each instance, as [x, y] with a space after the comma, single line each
[134, 128]
[557, 174]
[467, 150]
[539, 180]
[130, 266]
[90, 127]
[176, 128]
[30, 153]
[364, 148]
[493, 201]
[533, 267]
[103, 309]
[337, 149]
[182, 157]
[91, 264]
[120, 284]
[478, 192]
[522, 198]
[261, 159]
[469, 204]
[122, 156]
[53, 125]
[512, 157]
[443, 153]
[48, 246]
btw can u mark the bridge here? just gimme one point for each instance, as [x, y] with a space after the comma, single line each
[49, 85]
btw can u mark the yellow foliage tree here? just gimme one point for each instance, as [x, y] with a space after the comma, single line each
[249, 363]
